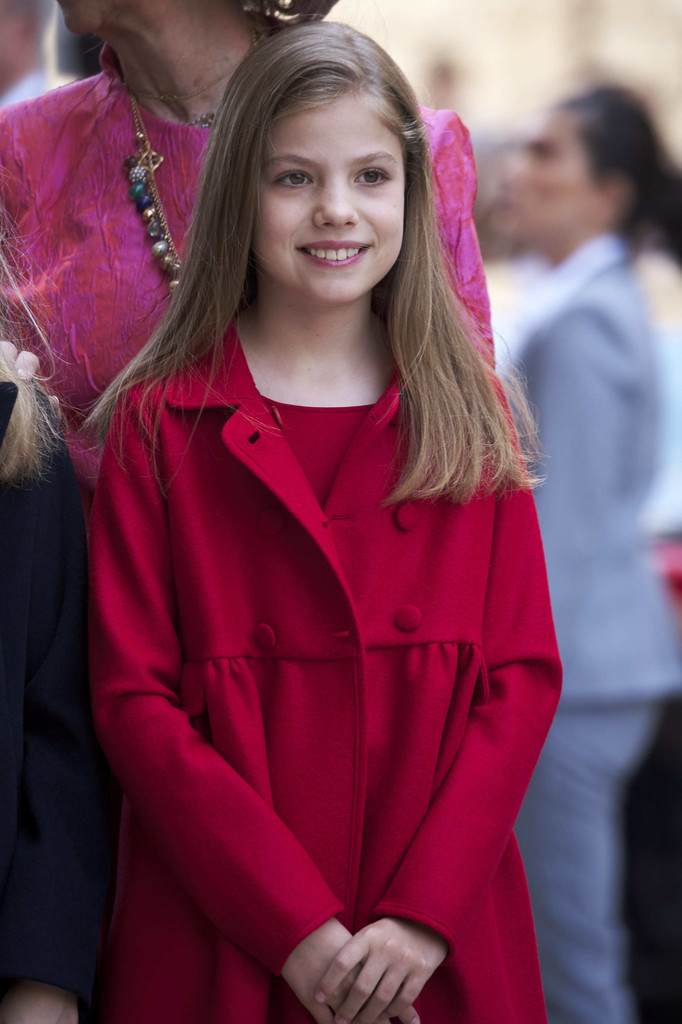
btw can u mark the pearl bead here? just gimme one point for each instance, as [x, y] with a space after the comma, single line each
[160, 248]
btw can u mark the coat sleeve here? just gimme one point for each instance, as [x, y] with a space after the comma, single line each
[449, 866]
[225, 844]
[584, 390]
[52, 902]
[455, 183]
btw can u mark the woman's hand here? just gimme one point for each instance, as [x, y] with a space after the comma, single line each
[380, 972]
[308, 962]
[32, 1002]
[26, 364]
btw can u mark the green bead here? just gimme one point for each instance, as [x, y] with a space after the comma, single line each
[160, 248]
[137, 190]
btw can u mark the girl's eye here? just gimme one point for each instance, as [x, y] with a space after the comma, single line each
[372, 176]
[294, 178]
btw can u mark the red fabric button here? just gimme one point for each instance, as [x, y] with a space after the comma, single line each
[407, 618]
[264, 636]
[271, 521]
[405, 516]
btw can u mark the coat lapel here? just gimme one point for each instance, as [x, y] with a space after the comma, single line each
[254, 438]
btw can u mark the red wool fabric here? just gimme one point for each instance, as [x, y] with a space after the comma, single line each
[312, 711]
[319, 438]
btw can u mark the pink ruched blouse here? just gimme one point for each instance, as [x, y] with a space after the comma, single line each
[88, 269]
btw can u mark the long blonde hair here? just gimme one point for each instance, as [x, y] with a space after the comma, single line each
[456, 433]
[32, 432]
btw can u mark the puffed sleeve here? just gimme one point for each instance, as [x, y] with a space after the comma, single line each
[224, 843]
[54, 893]
[450, 864]
[454, 174]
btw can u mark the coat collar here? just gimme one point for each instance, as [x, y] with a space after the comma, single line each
[256, 440]
[8, 396]
[553, 290]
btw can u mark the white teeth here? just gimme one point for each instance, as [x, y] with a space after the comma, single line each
[333, 254]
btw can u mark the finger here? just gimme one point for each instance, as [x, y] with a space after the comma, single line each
[342, 989]
[408, 1016]
[402, 1006]
[365, 991]
[348, 957]
[380, 1006]
[9, 350]
[321, 1014]
[27, 365]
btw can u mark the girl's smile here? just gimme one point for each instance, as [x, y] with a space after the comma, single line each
[330, 225]
[335, 253]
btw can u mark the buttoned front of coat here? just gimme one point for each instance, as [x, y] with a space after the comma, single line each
[312, 711]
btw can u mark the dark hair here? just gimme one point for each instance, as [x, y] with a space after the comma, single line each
[290, 12]
[621, 138]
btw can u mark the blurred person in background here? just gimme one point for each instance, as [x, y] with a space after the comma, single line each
[578, 192]
[100, 177]
[22, 70]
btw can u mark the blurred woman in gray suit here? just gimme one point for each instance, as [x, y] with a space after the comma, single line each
[586, 182]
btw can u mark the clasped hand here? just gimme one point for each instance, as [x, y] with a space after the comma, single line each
[371, 976]
[32, 1002]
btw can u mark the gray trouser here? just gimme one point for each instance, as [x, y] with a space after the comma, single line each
[571, 839]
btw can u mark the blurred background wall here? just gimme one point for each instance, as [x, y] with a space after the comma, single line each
[509, 56]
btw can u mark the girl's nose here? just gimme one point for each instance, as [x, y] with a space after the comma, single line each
[335, 208]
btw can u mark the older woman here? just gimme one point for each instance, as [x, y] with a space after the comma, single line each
[99, 180]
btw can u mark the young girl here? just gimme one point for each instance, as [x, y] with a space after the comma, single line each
[54, 834]
[323, 657]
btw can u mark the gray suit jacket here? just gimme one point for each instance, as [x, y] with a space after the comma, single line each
[591, 381]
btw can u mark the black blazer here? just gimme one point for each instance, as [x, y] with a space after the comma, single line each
[54, 815]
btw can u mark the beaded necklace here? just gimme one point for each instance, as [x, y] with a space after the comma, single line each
[143, 192]
[141, 168]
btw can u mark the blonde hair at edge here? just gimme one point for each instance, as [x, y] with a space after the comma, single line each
[32, 431]
[455, 432]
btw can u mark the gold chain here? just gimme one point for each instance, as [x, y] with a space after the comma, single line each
[165, 97]
[142, 168]
[150, 161]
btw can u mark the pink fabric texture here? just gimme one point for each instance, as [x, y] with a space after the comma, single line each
[88, 263]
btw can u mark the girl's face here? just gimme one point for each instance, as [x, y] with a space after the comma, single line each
[551, 200]
[332, 191]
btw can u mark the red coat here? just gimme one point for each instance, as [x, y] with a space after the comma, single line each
[311, 712]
